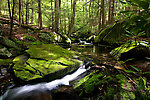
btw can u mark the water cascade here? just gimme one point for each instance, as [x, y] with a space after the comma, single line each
[24, 92]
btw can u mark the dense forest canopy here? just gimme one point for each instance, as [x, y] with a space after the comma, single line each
[72, 16]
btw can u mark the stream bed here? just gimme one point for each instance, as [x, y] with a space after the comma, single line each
[88, 53]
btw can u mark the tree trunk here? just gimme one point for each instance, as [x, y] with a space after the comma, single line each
[0, 8]
[32, 15]
[22, 8]
[27, 11]
[40, 14]
[19, 12]
[72, 18]
[99, 18]
[109, 13]
[103, 13]
[86, 10]
[112, 12]
[52, 19]
[15, 12]
[9, 9]
[56, 16]
[12, 16]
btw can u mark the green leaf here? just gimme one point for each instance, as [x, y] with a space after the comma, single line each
[130, 71]
[135, 68]
[141, 34]
[146, 72]
[124, 2]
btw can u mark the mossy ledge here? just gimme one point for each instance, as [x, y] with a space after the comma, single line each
[47, 62]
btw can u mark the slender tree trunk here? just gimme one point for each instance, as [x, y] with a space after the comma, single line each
[19, 12]
[27, 10]
[56, 16]
[12, 16]
[83, 13]
[32, 15]
[99, 18]
[32, 12]
[40, 14]
[60, 19]
[68, 15]
[112, 11]
[9, 9]
[0, 9]
[90, 10]
[52, 14]
[15, 11]
[86, 10]
[109, 13]
[73, 18]
[103, 13]
[65, 23]
[22, 8]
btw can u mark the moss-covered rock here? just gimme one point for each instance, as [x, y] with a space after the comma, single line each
[131, 49]
[111, 34]
[4, 53]
[46, 62]
[49, 52]
[8, 43]
[5, 62]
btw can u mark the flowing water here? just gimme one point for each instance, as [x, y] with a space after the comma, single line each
[96, 54]
[22, 93]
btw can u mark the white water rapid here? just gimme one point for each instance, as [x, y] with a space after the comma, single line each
[23, 92]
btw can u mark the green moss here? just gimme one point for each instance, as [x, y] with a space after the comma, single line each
[5, 61]
[129, 45]
[45, 59]
[48, 51]
[111, 34]
[9, 43]
[102, 34]
[30, 38]
[126, 95]
[38, 68]
[89, 82]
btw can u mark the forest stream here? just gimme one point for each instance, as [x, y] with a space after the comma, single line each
[88, 53]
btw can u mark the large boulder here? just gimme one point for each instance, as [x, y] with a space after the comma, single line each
[46, 62]
[131, 49]
[111, 34]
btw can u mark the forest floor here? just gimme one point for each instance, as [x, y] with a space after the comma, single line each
[20, 31]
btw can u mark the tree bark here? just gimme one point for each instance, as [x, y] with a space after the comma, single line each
[22, 14]
[12, 16]
[112, 11]
[103, 13]
[52, 14]
[56, 16]
[19, 12]
[109, 13]
[40, 14]
[72, 18]
[26, 11]
[99, 18]
[9, 9]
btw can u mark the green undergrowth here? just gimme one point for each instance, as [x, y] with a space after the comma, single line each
[111, 84]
